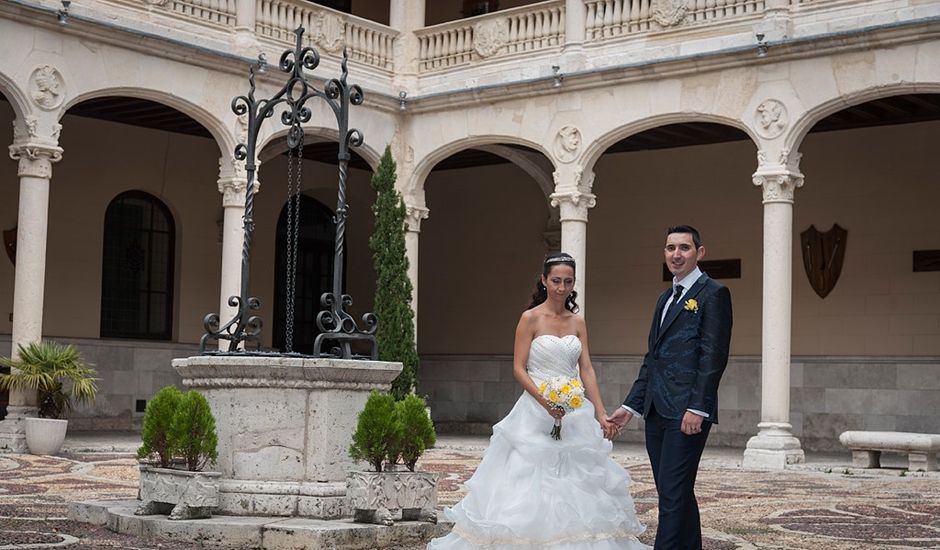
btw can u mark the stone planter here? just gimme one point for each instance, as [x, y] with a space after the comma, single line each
[181, 493]
[378, 497]
[44, 436]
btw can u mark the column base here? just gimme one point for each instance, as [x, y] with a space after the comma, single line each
[774, 447]
[13, 429]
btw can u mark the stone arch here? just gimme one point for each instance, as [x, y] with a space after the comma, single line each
[319, 133]
[599, 146]
[209, 120]
[813, 115]
[424, 166]
[15, 96]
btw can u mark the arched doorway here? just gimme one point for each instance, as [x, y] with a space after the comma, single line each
[313, 275]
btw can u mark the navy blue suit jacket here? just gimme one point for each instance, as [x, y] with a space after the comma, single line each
[687, 354]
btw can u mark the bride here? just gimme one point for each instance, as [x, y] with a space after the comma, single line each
[530, 490]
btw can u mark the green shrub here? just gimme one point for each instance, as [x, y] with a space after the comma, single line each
[193, 431]
[417, 430]
[395, 335]
[158, 417]
[377, 430]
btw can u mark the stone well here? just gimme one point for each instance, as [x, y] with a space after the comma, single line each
[284, 427]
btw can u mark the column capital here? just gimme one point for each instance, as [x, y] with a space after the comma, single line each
[574, 204]
[233, 182]
[413, 216]
[573, 193]
[233, 190]
[778, 179]
[35, 159]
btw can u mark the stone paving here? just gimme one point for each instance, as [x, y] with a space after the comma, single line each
[824, 504]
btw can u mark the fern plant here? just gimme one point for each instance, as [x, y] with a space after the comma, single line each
[57, 373]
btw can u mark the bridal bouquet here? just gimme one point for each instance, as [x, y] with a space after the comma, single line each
[563, 393]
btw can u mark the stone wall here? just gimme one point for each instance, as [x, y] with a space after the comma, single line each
[469, 393]
[130, 370]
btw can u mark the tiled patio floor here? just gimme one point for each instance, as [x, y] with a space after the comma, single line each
[823, 505]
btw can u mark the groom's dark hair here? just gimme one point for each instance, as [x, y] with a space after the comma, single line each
[696, 238]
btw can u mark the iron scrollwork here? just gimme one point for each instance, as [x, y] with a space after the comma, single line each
[334, 322]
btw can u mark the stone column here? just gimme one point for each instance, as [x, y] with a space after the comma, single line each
[232, 187]
[776, 24]
[775, 445]
[244, 39]
[414, 215]
[406, 16]
[574, 23]
[35, 171]
[573, 197]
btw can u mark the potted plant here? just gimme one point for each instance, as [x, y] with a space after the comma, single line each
[179, 441]
[388, 432]
[59, 375]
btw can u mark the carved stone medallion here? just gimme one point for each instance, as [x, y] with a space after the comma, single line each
[46, 87]
[567, 143]
[669, 13]
[771, 118]
[329, 31]
[489, 36]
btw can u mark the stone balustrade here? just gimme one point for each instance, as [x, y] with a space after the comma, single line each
[328, 30]
[213, 12]
[610, 18]
[524, 29]
[511, 34]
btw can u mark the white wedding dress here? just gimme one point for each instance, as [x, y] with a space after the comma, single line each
[531, 491]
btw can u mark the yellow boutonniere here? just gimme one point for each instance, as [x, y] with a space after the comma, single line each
[691, 305]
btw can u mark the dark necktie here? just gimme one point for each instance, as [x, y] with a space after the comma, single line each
[676, 295]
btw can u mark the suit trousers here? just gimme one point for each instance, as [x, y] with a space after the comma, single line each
[674, 457]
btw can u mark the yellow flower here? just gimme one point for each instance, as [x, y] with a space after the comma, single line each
[542, 387]
[576, 384]
[565, 389]
[553, 396]
[691, 305]
[575, 402]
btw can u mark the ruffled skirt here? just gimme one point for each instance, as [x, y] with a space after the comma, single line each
[531, 491]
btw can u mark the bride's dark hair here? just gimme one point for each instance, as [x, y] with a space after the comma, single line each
[541, 293]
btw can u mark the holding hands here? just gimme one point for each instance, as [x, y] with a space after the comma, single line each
[619, 420]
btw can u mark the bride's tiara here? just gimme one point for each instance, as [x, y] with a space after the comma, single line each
[559, 258]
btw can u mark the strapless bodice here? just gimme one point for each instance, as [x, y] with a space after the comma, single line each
[551, 355]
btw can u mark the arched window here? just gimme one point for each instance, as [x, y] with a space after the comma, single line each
[313, 276]
[137, 271]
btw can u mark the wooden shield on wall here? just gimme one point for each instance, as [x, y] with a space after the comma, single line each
[9, 243]
[823, 254]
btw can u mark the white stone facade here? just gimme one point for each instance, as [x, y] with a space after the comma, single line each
[549, 86]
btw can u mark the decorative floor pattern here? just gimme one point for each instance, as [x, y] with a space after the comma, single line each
[741, 509]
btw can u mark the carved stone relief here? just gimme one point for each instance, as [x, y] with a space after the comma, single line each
[46, 87]
[567, 143]
[329, 31]
[489, 36]
[771, 118]
[669, 13]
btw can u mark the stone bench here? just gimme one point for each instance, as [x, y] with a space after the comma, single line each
[867, 447]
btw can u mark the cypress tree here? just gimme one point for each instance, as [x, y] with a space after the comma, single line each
[395, 335]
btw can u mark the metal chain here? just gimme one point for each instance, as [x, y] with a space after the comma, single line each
[293, 226]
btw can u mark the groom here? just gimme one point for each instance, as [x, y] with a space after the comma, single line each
[676, 390]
